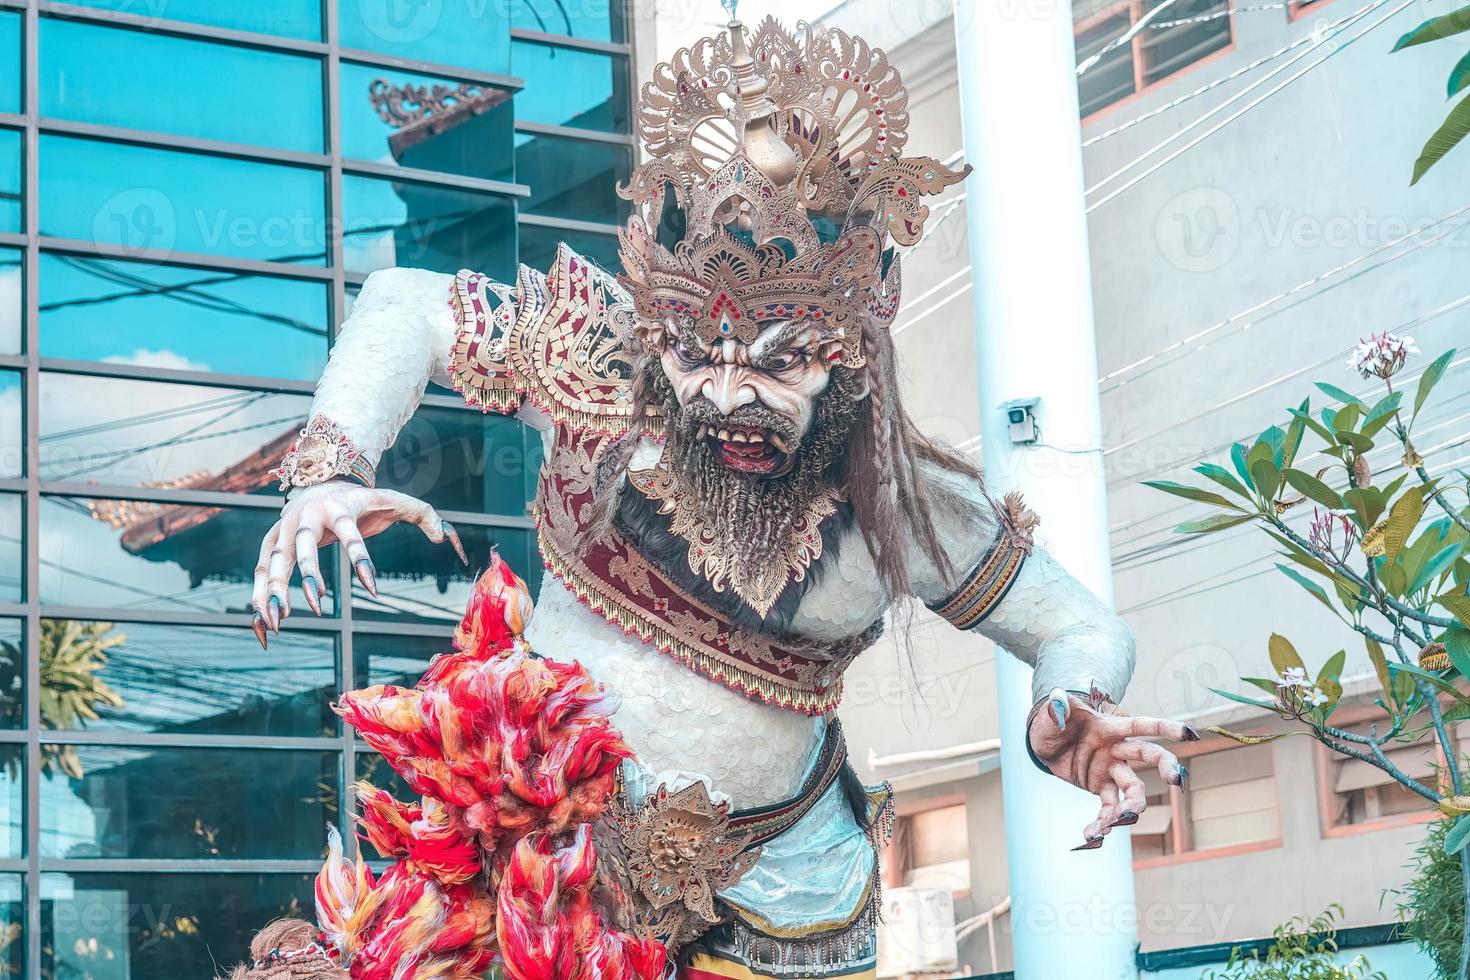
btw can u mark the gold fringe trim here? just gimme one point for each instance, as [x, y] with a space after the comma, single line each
[631, 620]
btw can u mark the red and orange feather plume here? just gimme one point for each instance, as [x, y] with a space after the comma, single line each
[515, 757]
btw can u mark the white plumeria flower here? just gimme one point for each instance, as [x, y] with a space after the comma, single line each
[1293, 677]
[1315, 697]
[1381, 355]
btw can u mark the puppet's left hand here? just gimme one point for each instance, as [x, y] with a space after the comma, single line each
[1080, 741]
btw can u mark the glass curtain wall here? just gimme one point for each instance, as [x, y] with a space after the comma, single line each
[191, 193]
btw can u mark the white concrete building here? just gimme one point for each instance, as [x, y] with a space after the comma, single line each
[1232, 155]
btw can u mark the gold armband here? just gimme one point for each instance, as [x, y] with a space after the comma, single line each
[320, 453]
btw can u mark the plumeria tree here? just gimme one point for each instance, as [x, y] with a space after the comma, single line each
[1386, 551]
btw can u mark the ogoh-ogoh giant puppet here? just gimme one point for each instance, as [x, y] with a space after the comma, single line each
[732, 499]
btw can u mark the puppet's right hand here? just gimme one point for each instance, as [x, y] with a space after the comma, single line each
[319, 515]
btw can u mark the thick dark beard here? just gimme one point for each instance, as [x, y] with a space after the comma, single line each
[755, 515]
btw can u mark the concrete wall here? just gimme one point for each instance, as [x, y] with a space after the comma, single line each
[1315, 176]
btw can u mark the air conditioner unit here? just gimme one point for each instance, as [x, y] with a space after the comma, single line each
[917, 934]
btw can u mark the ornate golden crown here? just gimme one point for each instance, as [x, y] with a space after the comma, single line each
[782, 154]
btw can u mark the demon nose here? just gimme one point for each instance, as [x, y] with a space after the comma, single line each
[727, 390]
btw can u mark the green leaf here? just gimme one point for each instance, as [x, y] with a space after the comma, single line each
[1314, 425]
[1313, 489]
[1457, 644]
[1283, 655]
[1223, 477]
[1269, 686]
[1459, 77]
[1459, 834]
[1332, 669]
[1360, 443]
[1312, 587]
[1431, 375]
[1380, 664]
[1458, 605]
[1275, 438]
[1241, 699]
[1435, 28]
[1347, 420]
[1192, 493]
[1215, 522]
[1445, 138]
[1402, 520]
[1267, 477]
[1432, 679]
[1382, 413]
[1367, 503]
[1237, 458]
[1435, 567]
[1334, 392]
[1294, 433]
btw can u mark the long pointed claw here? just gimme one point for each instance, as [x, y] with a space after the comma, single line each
[453, 536]
[313, 593]
[1092, 844]
[258, 625]
[1059, 712]
[273, 610]
[1190, 735]
[1128, 819]
[1183, 778]
[368, 576]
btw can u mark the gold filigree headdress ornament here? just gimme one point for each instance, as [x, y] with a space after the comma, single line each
[781, 153]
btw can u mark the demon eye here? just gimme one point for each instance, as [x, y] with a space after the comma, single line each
[689, 353]
[785, 360]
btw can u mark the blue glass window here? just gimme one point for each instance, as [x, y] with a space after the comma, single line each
[11, 511]
[12, 267]
[538, 247]
[589, 20]
[143, 198]
[462, 459]
[120, 431]
[209, 320]
[185, 803]
[426, 226]
[201, 679]
[12, 811]
[374, 770]
[12, 452]
[12, 675]
[11, 180]
[289, 18]
[568, 87]
[573, 178]
[10, 62]
[419, 580]
[384, 120]
[458, 33]
[96, 74]
[159, 925]
[175, 557]
[391, 659]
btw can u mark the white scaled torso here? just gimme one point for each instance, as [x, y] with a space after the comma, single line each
[678, 721]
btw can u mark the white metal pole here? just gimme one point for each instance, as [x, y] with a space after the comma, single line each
[1073, 916]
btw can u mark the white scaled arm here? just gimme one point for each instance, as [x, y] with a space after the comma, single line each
[1046, 617]
[1054, 623]
[397, 339]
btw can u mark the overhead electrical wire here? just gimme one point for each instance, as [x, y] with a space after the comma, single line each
[1343, 46]
[1133, 31]
[1323, 277]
